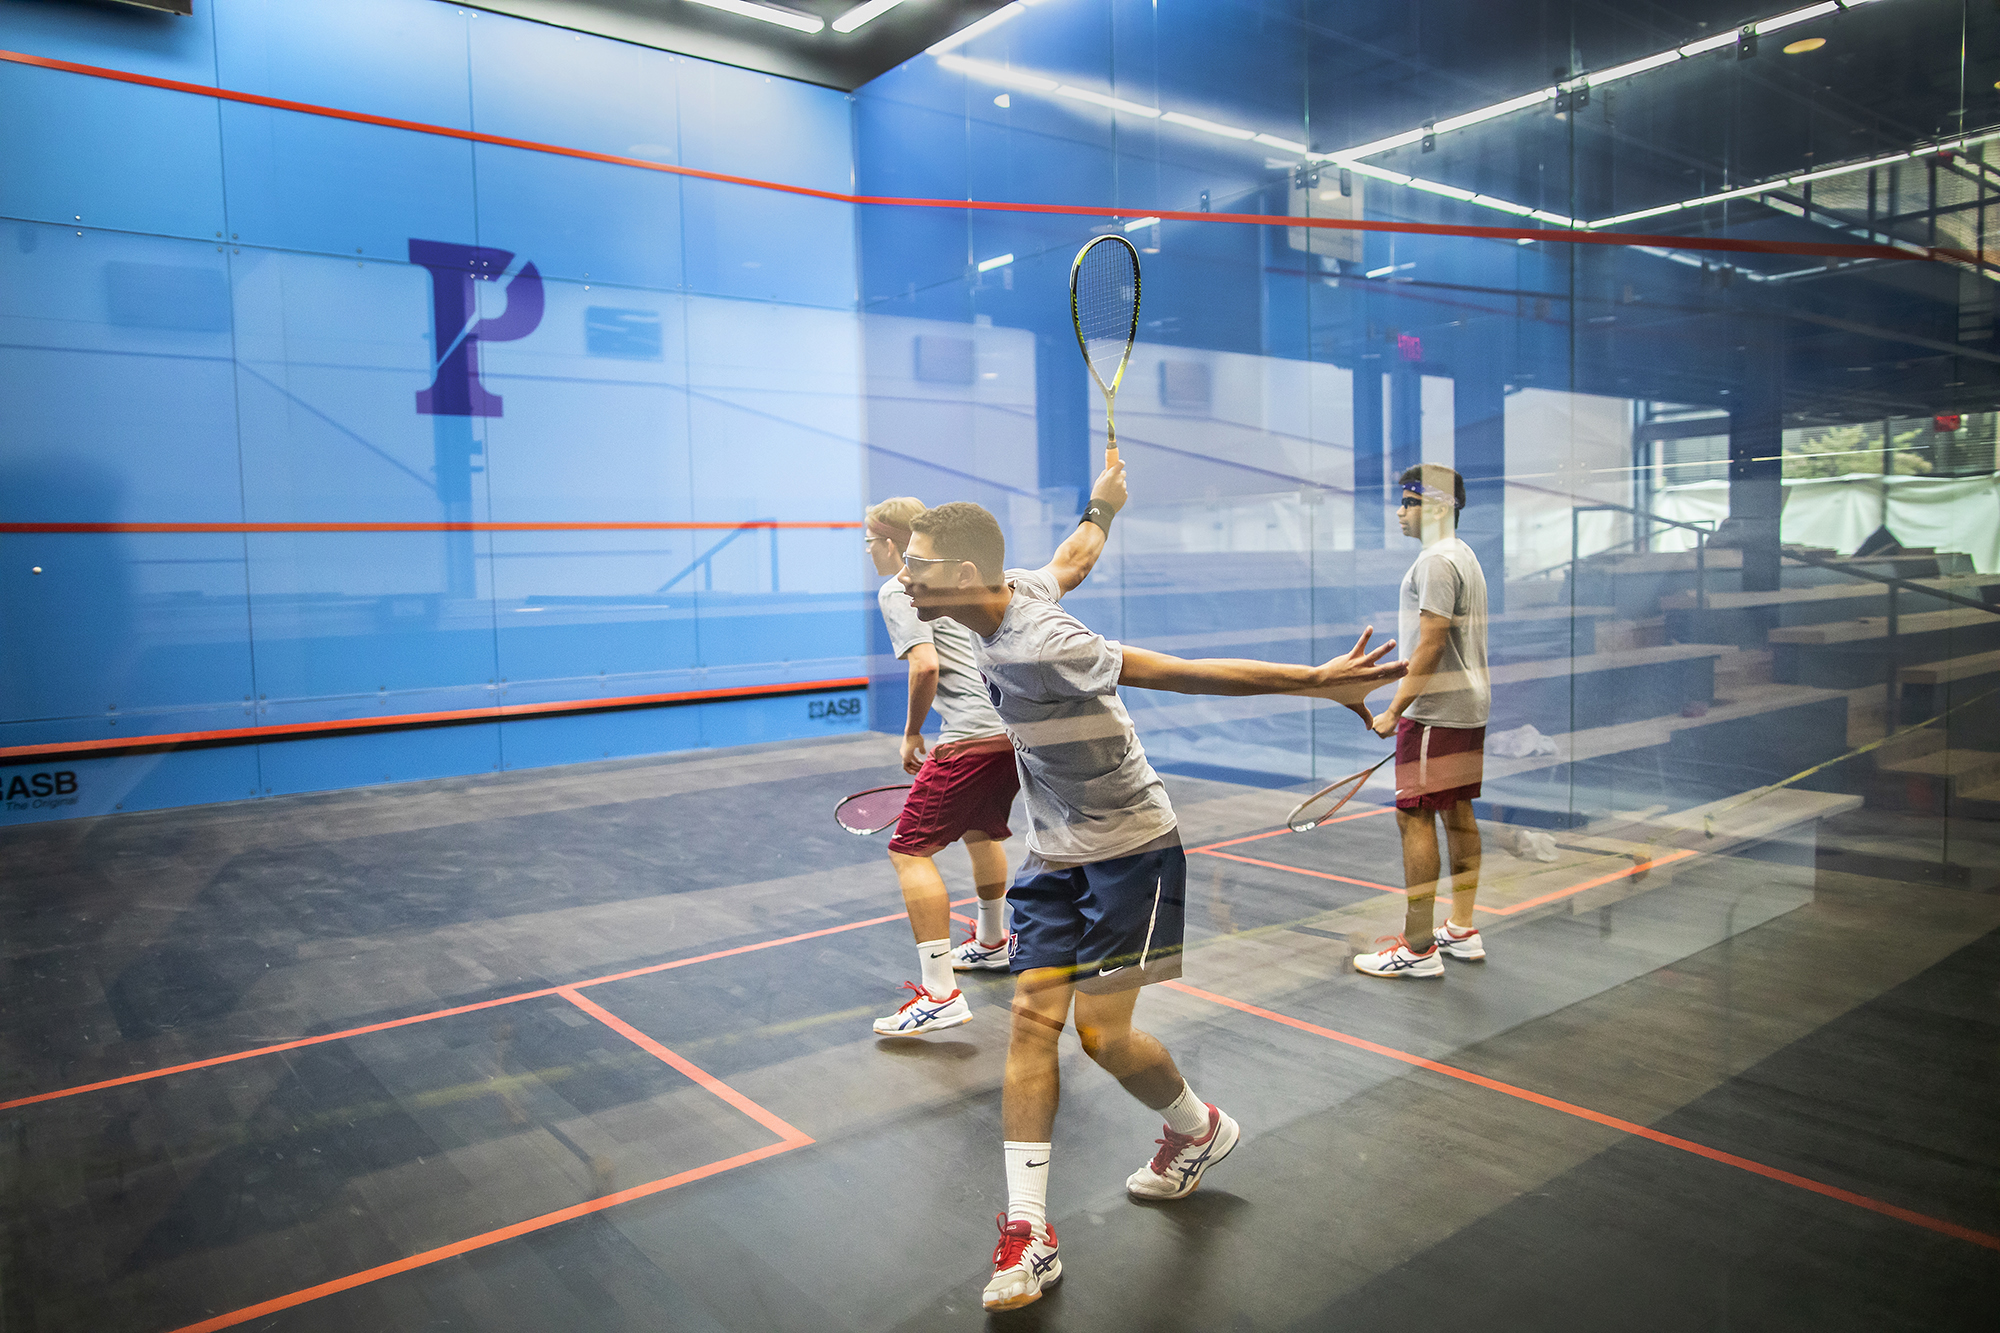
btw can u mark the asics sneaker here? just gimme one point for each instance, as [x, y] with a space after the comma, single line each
[1176, 1168]
[1466, 946]
[925, 1012]
[1023, 1263]
[1399, 960]
[972, 956]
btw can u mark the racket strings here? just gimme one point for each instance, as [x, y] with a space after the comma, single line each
[1107, 299]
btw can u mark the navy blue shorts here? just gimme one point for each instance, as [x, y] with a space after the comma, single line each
[1114, 924]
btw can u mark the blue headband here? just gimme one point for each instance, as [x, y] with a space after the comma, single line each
[1423, 492]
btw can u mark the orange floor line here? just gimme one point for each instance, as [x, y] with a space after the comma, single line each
[1874, 1205]
[701, 1076]
[1272, 833]
[1641, 868]
[343, 1035]
[1299, 870]
[486, 1238]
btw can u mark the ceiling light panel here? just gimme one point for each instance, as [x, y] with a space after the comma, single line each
[784, 18]
[865, 13]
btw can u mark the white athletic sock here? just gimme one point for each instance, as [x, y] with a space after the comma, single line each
[992, 921]
[1028, 1182]
[1187, 1115]
[934, 956]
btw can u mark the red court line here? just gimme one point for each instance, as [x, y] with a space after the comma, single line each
[707, 1080]
[412, 527]
[212, 1061]
[1936, 1224]
[1668, 859]
[1277, 832]
[788, 1139]
[1714, 243]
[1300, 870]
[397, 721]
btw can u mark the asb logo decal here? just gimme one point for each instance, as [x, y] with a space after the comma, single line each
[456, 332]
[41, 791]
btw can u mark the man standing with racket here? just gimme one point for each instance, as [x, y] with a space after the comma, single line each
[1097, 906]
[1439, 720]
[963, 791]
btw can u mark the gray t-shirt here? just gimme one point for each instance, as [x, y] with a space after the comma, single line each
[1446, 580]
[961, 695]
[1090, 793]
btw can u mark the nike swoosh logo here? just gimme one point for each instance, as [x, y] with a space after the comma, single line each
[1040, 1163]
[940, 955]
[1107, 971]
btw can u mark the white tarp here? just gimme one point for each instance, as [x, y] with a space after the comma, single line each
[1949, 513]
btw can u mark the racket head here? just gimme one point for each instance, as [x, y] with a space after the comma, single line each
[1325, 803]
[1104, 307]
[873, 810]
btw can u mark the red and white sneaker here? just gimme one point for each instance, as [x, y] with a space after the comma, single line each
[1023, 1264]
[1399, 960]
[924, 1012]
[972, 956]
[1464, 945]
[1176, 1168]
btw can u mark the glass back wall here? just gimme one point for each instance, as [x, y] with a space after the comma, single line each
[1667, 289]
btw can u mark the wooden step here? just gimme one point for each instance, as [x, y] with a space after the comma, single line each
[1877, 627]
[1968, 667]
[1965, 585]
[1934, 783]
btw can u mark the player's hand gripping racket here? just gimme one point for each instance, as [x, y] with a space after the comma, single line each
[873, 810]
[1323, 804]
[1104, 307]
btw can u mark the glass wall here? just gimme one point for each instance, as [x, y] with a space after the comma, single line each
[1657, 287]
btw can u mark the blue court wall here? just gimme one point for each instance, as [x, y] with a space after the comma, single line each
[221, 314]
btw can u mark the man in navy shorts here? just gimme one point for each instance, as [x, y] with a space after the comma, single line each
[1439, 720]
[1098, 904]
[963, 791]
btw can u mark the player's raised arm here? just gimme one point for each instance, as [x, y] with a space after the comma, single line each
[1077, 556]
[1347, 679]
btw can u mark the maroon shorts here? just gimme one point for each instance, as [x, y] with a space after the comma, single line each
[1437, 767]
[967, 785]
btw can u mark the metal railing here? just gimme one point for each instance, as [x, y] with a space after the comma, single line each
[1642, 537]
[705, 562]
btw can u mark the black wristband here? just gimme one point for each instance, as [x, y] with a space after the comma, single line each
[1099, 513]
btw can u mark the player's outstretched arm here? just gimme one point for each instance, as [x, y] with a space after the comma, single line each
[1077, 556]
[1348, 678]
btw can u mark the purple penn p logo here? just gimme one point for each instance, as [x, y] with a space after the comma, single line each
[456, 330]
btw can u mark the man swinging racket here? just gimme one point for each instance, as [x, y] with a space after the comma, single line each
[1097, 906]
[963, 791]
[1438, 718]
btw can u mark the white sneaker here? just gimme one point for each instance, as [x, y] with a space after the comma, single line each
[1023, 1263]
[972, 956]
[1466, 947]
[1176, 1168]
[925, 1012]
[1398, 960]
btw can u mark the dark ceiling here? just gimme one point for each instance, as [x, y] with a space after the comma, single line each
[833, 59]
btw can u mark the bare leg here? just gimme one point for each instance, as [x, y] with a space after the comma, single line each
[1461, 835]
[1420, 874]
[989, 865]
[1133, 1057]
[924, 896]
[1032, 1087]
